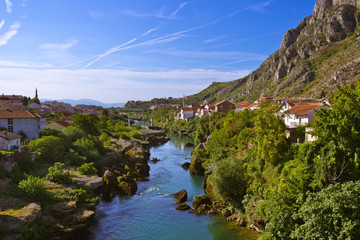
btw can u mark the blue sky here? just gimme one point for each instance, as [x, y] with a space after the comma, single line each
[120, 50]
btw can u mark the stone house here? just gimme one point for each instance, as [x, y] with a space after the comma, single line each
[10, 141]
[224, 106]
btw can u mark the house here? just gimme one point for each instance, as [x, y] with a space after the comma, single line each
[300, 115]
[22, 121]
[280, 100]
[240, 106]
[224, 106]
[58, 125]
[187, 112]
[10, 141]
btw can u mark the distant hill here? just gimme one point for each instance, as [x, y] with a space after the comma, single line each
[86, 102]
[321, 53]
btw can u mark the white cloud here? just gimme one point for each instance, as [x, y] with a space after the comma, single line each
[109, 85]
[178, 9]
[8, 6]
[58, 46]
[25, 64]
[211, 40]
[96, 15]
[9, 34]
[158, 14]
[2, 24]
[150, 31]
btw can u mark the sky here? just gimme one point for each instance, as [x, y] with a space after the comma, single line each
[119, 50]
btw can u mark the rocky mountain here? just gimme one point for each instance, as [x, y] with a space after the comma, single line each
[321, 53]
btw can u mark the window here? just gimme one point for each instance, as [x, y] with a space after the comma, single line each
[11, 129]
[10, 121]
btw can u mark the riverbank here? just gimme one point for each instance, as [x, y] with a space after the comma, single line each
[151, 214]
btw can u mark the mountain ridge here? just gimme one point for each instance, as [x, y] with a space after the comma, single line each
[321, 53]
[86, 101]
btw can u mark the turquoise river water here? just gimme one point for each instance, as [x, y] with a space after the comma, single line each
[151, 214]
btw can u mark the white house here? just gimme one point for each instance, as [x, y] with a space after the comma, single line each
[16, 121]
[10, 141]
[301, 114]
[187, 112]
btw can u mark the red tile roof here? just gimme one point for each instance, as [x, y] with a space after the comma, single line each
[194, 109]
[242, 104]
[279, 98]
[63, 123]
[223, 101]
[18, 114]
[302, 109]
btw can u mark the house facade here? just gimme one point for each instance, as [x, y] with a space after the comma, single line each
[16, 121]
[10, 141]
[301, 115]
[224, 106]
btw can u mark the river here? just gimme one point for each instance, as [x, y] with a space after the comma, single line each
[151, 214]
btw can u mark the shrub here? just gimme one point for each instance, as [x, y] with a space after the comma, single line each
[228, 181]
[48, 148]
[34, 187]
[124, 136]
[2, 171]
[136, 134]
[74, 159]
[87, 169]
[57, 174]
[73, 133]
[26, 164]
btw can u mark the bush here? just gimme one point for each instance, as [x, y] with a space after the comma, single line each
[136, 135]
[332, 213]
[124, 136]
[87, 169]
[57, 174]
[26, 164]
[73, 133]
[34, 187]
[2, 171]
[228, 181]
[74, 159]
[48, 148]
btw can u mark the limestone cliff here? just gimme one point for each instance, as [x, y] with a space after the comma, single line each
[322, 52]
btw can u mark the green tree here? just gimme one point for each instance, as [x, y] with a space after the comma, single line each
[49, 148]
[86, 123]
[228, 181]
[332, 213]
[338, 131]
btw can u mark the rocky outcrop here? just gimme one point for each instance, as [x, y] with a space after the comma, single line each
[127, 186]
[201, 205]
[20, 217]
[181, 196]
[186, 165]
[196, 167]
[299, 67]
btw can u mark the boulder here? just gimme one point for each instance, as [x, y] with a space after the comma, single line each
[20, 217]
[110, 185]
[186, 165]
[181, 196]
[127, 186]
[201, 205]
[196, 167]
[124, 145]
[189, 144]
[142, 169]
[183, 207]
[89, 182]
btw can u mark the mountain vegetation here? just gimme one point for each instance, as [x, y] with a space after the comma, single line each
[321, 53]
